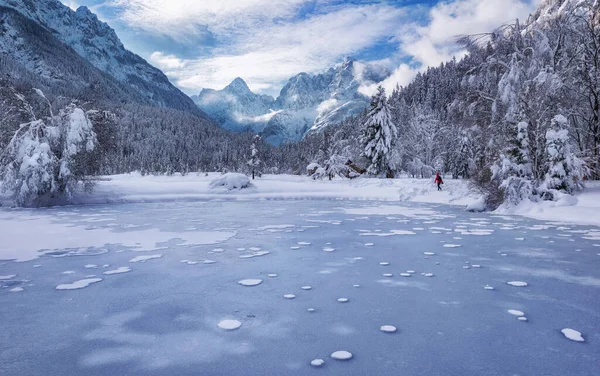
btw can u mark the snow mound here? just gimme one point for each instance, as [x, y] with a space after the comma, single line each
[229, 324]
[231, 181]
[317, 362]
[477, 206]
[573, 335]
[289, 296]
[342, 355]
[517, 283]
[515, 312]
[343, 300]
[250, 282]
[388, 329]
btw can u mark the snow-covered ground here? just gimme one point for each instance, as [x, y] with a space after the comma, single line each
[134, 188]
[294, 287]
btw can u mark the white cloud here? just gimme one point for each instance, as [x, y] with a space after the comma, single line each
[177, 18]
[272, 54]
[266, 42]
[166, 62]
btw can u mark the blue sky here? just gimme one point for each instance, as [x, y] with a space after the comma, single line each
[207, 43]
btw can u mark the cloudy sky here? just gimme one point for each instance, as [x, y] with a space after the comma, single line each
[207, 43]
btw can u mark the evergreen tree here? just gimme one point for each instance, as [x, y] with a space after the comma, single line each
[564, 168]
[254, 161]
[379, 135]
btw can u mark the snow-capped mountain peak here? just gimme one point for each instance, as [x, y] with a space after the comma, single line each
[306, 103]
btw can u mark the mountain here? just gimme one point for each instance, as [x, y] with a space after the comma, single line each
[307, 103]
[236, 107]
[46, 42]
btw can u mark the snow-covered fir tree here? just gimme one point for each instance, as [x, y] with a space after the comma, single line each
[564, 168]
[379, 135]
[514, 168]
[254, 161]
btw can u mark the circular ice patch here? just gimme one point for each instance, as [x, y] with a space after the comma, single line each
[229, 324]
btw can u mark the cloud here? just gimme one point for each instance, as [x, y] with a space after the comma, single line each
[268, 41]
[268, 56]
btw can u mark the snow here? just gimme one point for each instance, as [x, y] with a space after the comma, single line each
[343, 300]
[120, 270]
[342, 355]
[229, 324]
[231, 181]
[5, 277]
[53, 236]
[515, 312]
[573, 335]
[145, 258]
[517, 283]
[250, 282]
[82, 283]
[388, 329]
[289, 296]
[317, 362]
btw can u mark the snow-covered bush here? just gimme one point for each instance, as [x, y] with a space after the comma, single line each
[45, 159]
[320, 173]
[336, 166]
[231, 181]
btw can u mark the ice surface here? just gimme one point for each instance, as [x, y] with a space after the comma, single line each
[162, 317]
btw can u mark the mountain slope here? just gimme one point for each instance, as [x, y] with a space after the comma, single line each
[307, 103]
[95, 43]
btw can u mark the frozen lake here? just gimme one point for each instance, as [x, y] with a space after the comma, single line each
[147, 289]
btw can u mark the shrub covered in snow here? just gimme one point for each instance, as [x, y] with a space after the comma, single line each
[45, 159]
[231, 181]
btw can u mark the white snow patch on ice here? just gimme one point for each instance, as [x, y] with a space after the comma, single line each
[145, 258]
[250, 282]
[120, 270]
[342, 355]
[573, 335]
[229, 324]
[82, 283]
[517, 283]
[388, 329]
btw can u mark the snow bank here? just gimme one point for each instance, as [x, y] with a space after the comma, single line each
[580, 209]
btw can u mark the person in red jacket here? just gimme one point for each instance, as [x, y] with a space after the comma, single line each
[438, 180]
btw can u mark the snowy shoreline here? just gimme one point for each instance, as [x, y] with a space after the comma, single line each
[582, 209]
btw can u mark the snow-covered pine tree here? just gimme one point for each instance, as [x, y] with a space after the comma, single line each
[514, 168]
[564, 168]
[379, 135]
[254, 161]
